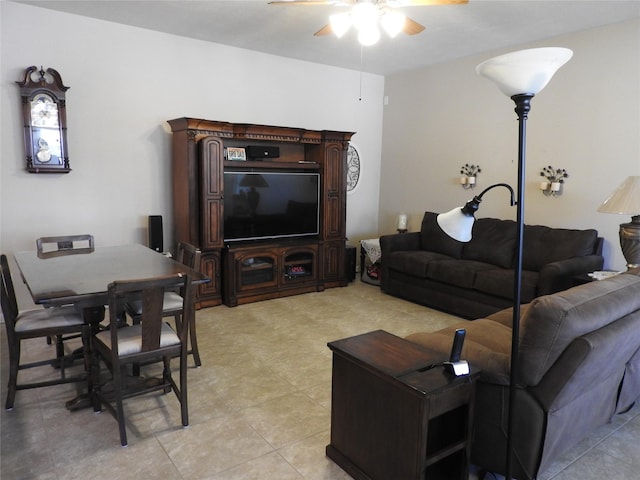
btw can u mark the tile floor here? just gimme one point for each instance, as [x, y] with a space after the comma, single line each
[259, 406]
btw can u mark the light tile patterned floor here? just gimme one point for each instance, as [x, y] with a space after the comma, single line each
[259, 407]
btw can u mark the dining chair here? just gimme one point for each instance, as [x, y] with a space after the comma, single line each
[151, 340]
[48, 247]
[45, 322]
[188, 255]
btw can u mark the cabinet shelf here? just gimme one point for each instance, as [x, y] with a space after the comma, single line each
[270, 270]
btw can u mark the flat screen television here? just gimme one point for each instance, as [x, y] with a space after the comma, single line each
[266, 205]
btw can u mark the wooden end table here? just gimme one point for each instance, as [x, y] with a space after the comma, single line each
[394, 418]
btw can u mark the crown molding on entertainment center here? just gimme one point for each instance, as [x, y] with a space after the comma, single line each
[246, 271]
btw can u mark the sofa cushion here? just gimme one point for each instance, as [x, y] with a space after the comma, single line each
[412, 262]
[461, 273]
[435, 240]
[543, 245]
[492, 241]
[553, 321]
[499, 282]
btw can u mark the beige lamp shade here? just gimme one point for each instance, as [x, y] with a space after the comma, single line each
[626, 201]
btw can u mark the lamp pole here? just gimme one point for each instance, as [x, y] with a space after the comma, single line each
[523, 105]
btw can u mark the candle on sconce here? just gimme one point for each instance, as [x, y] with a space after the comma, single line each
[471, 180]
[402, 222]
[463, 180]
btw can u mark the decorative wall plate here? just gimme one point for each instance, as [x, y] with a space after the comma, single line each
[353, 167]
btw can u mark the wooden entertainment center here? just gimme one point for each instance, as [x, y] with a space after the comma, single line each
[247, 271]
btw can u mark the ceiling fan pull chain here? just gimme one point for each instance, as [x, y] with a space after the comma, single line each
[361, 65]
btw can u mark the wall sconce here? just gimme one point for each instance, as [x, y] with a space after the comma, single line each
[401, 224]
[554, 178]
[468, 175]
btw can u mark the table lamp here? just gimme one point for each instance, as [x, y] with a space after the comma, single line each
[626, 201]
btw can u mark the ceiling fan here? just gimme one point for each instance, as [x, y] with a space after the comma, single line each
[365, 15]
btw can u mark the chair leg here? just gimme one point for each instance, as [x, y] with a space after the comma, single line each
[194, 340]
[118, 385]
[14, 361]
[184, 404]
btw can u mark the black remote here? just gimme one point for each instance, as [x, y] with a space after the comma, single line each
[456, 348]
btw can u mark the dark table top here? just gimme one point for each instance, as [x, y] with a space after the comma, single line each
[83, 278]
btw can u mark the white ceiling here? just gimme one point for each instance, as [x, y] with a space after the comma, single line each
[452, 31]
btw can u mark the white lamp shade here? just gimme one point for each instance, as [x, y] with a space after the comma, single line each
[369, 36]
[340, 23]
[456, 224]
[392, 22]
[525, 71]
[625, 200]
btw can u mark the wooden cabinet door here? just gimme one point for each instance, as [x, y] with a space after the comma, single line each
[209, 293]
[211, 193]
[334, 201]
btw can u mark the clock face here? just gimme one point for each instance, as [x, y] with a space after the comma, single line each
[353, 168]
[44, 111]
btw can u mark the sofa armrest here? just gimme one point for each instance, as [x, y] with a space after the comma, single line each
[558, 276]
[399, 242]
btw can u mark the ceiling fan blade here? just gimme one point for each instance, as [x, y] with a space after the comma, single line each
[326, 30]
[418, 3]
[312, 2]
[411, 27]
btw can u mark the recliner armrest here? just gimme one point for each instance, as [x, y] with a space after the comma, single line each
[557, 276]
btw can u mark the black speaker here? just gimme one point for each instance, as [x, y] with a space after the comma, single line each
[350, 262]
[155, 233]
[257, 152]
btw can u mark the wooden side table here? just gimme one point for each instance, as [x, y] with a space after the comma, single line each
[392, 418]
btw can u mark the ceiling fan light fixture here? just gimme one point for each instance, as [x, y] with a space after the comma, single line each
[393, 22]
[340, 23]
[369, 35]
[364, 15]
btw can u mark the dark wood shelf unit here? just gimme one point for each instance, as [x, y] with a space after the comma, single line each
[199, 162]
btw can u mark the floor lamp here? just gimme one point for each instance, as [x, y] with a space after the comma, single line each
[519, 75]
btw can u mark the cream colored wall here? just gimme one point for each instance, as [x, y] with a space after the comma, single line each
[587, 120]
[125, 83]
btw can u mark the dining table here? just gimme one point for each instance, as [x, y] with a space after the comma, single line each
[82, 279]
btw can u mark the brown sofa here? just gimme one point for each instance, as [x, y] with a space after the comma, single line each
[475, 279]
[579, 356]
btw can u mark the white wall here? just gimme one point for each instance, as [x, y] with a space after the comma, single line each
[587, 120]
[124, 84]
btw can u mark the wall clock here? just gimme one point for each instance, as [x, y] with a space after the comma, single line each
[45, 121]
[353, 167]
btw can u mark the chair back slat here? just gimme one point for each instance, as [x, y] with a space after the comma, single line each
[151, 294]
[188, 255]
[8, 296]
[151, 319]
[64, 245]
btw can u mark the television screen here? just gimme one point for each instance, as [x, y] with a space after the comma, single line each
[260, 205]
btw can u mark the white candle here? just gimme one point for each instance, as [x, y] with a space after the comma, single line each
[463, 180]
[402, 222]
[471, 180]
[544, 185]
[555, 186]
